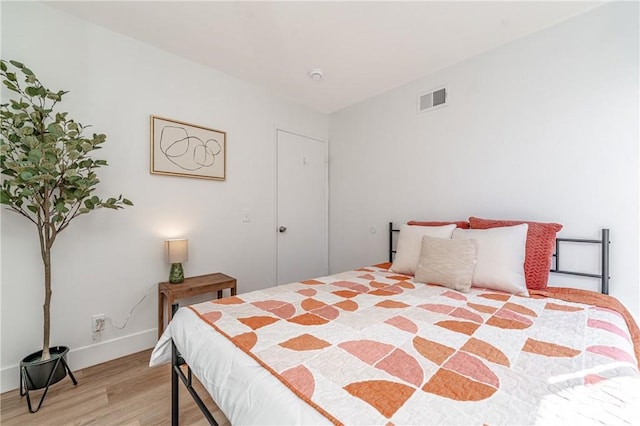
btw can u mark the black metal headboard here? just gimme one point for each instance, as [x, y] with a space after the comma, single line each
[604, 253]
[604, 242]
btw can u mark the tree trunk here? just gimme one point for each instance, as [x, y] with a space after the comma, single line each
[46, 258]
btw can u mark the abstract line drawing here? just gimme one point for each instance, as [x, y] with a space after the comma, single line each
[183, 149]
[188, 152]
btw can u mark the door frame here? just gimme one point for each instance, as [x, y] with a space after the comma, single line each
[326, 201]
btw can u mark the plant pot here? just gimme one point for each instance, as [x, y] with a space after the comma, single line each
[38, 371]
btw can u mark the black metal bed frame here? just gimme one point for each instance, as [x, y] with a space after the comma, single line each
[177, 374]
[604, 253]
[604, 242]
[177, 361]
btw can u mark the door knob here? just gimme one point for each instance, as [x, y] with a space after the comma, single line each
[282, 229]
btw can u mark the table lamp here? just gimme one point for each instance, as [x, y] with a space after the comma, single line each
[177, 252]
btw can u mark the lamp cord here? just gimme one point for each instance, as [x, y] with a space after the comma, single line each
[132, 309]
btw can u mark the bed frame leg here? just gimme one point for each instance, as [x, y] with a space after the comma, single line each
[175, 366]
[175, 406]
[176, 375]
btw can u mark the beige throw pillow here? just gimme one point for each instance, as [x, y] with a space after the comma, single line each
[448, 263]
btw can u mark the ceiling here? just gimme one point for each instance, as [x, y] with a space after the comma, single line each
[363, 47]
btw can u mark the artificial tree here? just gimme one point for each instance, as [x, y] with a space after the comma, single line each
[48, 172]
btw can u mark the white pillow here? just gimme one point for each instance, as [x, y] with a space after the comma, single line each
[500, 259]
[410, 243]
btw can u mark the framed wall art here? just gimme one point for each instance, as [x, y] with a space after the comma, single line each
[183, 149]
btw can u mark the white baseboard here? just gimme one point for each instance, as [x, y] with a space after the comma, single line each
[87, 356]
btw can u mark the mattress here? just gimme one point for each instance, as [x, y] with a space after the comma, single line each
[372, 347]
[245, 392]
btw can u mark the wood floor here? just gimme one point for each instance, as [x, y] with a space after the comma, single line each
[125, 391]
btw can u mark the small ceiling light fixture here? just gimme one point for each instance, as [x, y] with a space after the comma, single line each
[316, 74]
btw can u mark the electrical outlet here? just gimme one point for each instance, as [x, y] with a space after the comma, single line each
[97, 323]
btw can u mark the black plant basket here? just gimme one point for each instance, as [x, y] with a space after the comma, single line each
[36, 373]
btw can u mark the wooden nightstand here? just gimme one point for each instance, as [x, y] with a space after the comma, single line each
[192, 286]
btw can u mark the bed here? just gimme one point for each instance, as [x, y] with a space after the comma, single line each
[374, 346]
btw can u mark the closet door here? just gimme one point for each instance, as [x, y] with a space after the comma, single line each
[302, 208]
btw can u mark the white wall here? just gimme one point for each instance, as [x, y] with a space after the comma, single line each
[544, 128]
[106, 261]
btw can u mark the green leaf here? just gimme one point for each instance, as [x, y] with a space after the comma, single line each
[5, 198]
[127, 202]
[10, 85]
[88, 204]
[31, 91]
[35, 155]
[26, 175]
[53, 96]
[33, 208]
[55, 129]
[35, 116]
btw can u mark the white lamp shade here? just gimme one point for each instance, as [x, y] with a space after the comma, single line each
[177, 250]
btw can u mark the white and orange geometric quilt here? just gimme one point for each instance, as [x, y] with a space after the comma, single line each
[373, 347]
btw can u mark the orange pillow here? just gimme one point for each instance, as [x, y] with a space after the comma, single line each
[541, 240]
[459, 223]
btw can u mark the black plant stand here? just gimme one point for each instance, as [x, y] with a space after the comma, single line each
[24, 385]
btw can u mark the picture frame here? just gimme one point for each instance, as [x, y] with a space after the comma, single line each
[188, 150]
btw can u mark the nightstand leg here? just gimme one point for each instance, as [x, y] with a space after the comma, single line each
[160, 313]
[219, 294]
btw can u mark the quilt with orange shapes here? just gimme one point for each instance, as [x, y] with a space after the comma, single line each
[373, 347]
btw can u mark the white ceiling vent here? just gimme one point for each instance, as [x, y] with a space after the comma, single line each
[433, 99]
